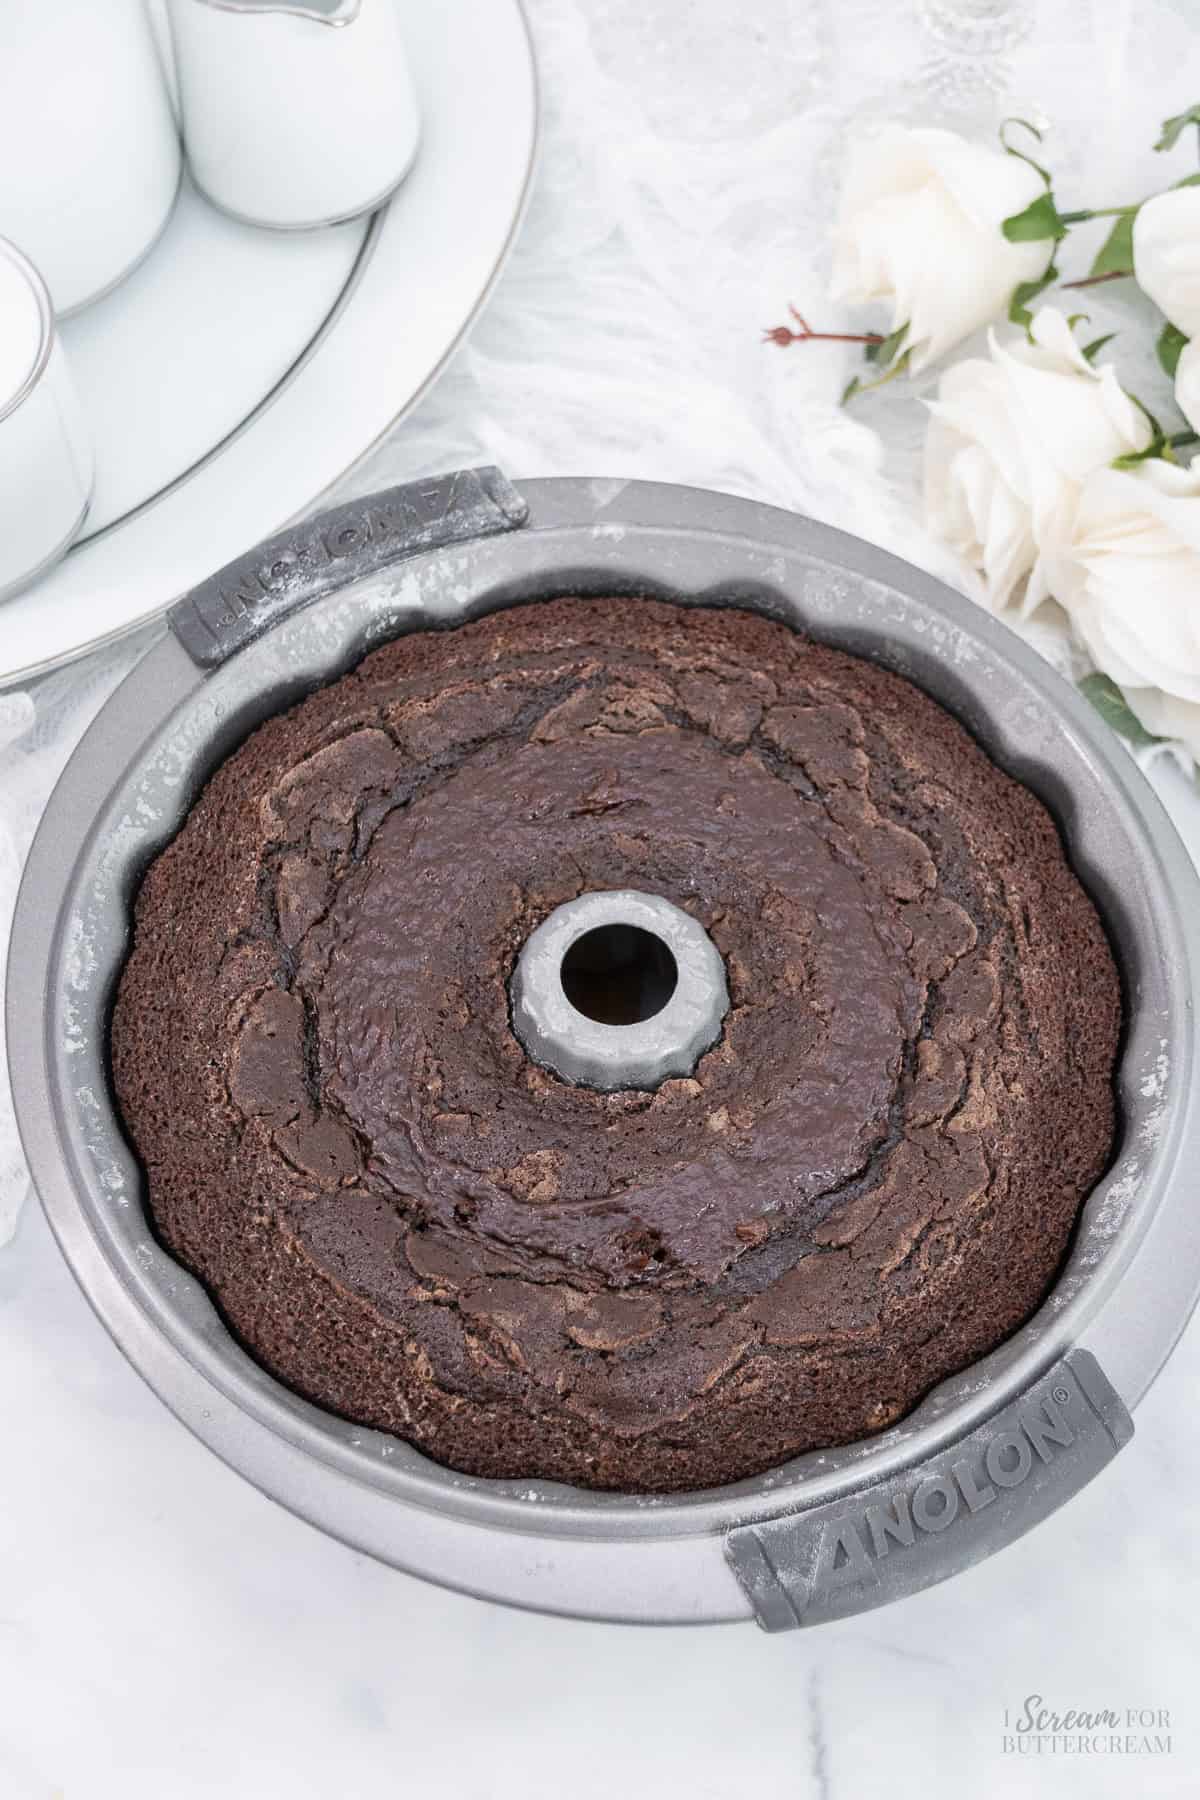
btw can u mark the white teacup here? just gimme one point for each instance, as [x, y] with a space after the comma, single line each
[89, 150]
[45, 457]
[296, 113]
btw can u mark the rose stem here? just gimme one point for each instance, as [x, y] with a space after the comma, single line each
[783, 335]
[1095, 280]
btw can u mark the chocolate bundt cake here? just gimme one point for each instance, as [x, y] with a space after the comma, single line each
[866, 1183]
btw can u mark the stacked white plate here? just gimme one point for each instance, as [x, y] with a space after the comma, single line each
[239, 373]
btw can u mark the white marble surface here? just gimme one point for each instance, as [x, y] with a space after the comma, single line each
[165, 1632]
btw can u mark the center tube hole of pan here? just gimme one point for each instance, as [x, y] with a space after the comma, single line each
[618, 974]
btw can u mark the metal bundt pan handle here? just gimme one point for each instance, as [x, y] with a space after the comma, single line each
[941, 1515]
[243, 600]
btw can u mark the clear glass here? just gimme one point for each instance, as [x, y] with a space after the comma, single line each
[977, 27]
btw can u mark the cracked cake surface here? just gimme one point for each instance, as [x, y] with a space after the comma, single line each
[867, 1182]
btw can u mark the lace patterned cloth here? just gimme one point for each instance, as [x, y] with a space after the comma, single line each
[687, 182]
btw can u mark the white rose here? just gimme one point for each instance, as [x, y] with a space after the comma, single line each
[1009, 442]
[1125, 562]
[1187, 384]
[919, 227]
[1166, 255]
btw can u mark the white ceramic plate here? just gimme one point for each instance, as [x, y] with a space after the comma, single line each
[239, 373]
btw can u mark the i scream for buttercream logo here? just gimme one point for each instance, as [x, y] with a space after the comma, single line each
[1038, 1728]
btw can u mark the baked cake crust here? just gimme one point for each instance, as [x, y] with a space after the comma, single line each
[868, 1182]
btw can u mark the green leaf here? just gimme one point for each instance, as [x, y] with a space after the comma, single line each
[1041, 219]
[1113, 707]
[1169, 349]
[882, 353]
[1159, 444]
[866, 387]
[1188, 181]
[1022, 155]
[1173, 129]
[1092, 350]
[1025, 291]
[1115, 255]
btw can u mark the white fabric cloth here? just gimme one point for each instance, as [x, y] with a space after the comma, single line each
[685, 195]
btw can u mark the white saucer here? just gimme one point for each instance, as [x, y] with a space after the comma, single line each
[240, 373]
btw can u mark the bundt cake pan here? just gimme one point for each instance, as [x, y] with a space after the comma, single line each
[987, 1454]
